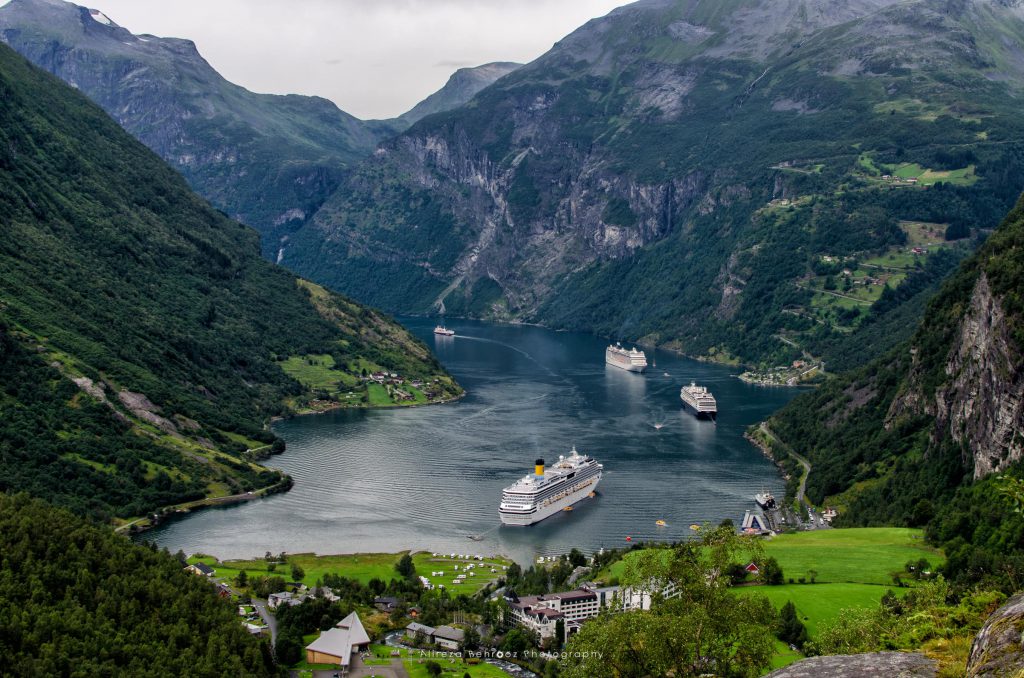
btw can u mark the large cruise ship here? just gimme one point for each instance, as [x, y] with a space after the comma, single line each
[536, 497]
[634, 360]
[698, 399]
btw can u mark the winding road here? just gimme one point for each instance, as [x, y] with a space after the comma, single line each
[803, 462]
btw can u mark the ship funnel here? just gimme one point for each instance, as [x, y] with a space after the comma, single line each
[539, 467]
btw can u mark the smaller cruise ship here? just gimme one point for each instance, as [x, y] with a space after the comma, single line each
[765, 500]
[632, 360]
[698, 399]
[444, 331]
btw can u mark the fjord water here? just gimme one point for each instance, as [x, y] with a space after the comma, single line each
[431, 477]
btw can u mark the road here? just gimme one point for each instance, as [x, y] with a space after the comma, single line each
[791, 452]
[268, 617]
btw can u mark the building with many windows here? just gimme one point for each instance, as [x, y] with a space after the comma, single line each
[541, 614]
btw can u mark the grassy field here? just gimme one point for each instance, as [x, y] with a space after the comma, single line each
[864, 555]
[317, 372]
[963, 176]
[820, 603]
[378, 396]
[364, 567]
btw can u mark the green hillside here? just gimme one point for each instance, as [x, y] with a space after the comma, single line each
[921, 436]
[142, 337]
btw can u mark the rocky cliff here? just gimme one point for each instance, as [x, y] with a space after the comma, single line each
[632, 180]
[998, 649]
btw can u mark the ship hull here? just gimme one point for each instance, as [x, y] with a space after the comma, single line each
[699, 414]
[543, 512]
[629, 367]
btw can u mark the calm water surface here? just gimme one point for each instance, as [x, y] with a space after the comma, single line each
[429, 477]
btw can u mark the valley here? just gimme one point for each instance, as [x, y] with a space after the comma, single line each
[804, 217]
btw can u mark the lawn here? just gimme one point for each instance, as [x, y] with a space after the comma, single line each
[363, 567]
[820, 603]
[862, 555]
[317, 372]
[417, 668]
[378, 396]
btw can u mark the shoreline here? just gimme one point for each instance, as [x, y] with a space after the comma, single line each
[344, 406]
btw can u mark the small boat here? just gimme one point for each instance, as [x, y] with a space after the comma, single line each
[591, 495]
[567, 508]
[660, 523]
[667, 374]
[658, 427]
[444, 331]
[695, 527]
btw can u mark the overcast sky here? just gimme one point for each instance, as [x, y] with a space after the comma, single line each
[374, 58]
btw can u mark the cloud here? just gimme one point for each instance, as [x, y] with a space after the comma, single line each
[375, 59]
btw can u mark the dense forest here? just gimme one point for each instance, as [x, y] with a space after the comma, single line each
[879, 451]
[76, 599]
[142, 336]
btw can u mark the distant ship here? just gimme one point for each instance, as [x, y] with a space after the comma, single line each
[633, 360]
[698, 399]
[765, 500]
[535, 497]
[444, 331]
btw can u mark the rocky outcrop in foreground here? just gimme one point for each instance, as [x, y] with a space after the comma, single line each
[998, 648]
[882, 664]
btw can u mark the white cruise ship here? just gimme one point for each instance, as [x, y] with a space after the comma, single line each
[698, 399]
[633, 360]
[444, 331]
[535, 497]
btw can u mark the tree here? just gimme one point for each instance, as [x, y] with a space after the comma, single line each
[405, 567]
[517, 641]
[576, 558]
[789, 628]
[433, 668]
[559, 633]
[298, 574]
[242, 580]
[702, 628]
[470, 640]
[771, 572]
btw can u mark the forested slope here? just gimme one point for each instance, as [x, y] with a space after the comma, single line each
[144, 340]
[76, 599]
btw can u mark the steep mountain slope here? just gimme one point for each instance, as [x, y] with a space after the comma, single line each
[683, 171]
[462, 86]
[906, 437]
[144, 343]
[79, 600]
[267, 160]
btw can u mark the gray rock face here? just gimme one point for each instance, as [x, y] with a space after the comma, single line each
[998, 649]
[601, 187]
[876, 664]
[981, 403]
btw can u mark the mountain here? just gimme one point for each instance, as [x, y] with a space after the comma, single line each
[79, 600]
[737, 180]
[464, 84]
[923, 435]
[268, 161]
[144, 343]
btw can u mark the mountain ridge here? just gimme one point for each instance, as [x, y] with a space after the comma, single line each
[647, 148]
